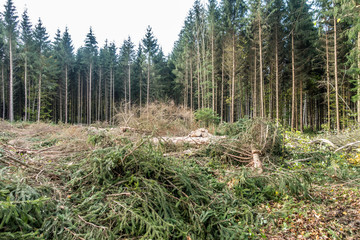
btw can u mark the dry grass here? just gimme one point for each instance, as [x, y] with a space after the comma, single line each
[160, 119]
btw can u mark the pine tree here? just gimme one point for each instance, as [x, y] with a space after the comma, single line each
[150, 49]
[10, 24]
[41, 41]
[91, 53]
[27, 42]
[67, 58]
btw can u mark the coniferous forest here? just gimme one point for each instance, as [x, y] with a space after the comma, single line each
[248, 129]
[294, 61]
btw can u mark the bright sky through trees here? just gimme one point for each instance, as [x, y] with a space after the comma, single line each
[112, 20]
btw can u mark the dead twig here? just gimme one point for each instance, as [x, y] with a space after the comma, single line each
[91, 224]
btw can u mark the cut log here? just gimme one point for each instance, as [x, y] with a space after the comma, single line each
[257, 162]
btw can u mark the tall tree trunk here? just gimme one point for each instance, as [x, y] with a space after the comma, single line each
[186, 92]
[61, 102]
[262, 111]
[3, 90]
[100, 96]
[148, 87]
[301, 105]
[129, 87]
[113, 98]
[66, 94]
[336, 78]
[233, 82]
[327, 80]
[222, 87]
[11, 103]
[213, 70]
[198, 76]
[277, 74]
[140, 90]
[191, 85]
[89, 99]
[255, 83]
[79, 99]
[358, 90]
[293, 81]
[39, 98]
[106, 101]
[25, 85]
[125, 96]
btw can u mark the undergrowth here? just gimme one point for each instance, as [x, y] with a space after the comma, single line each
[126, 189]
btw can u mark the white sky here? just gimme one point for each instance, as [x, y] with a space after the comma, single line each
[114, 20]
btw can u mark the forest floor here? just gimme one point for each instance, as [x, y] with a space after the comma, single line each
[101, 182]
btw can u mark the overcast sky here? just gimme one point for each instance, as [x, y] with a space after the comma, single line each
[114, 20]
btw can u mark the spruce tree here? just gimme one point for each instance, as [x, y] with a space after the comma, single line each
[11, 33]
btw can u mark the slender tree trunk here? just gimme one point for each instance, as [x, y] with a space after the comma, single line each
[66, 94]
[336, 78]
[233, 82]
[148, 87]
[140, 90]
[39, 98]
[25, 85]
[125, 96]
[327, 80]
[262, 112]
[191, 86]
[106, 101]
[129, 87]
[113, 99]
[186, 93]
[89, 100]
[100, 96]
[11, 104]
[358, 90]
[61, 102]
[222, 86]
[198, 76]
[213, 70]
[277, 75]
[293, 81]
[3, 90]
[79, 99]
[110, 96]
[301, 106]
[255, 84]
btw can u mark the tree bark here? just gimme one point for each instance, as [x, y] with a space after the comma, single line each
[89, 99]
[11, 103]
[222, 86]
[25, 85]
[277, 74]
[293, 81]
[100, 96]
[66, 94]
[233, 82]
[39, 97]
[262, 112]
[129, 87]
[255, 83]
[358, 90]
[327, 80]
[336, 78]
[3, 90]
[213, 70]
[148, 87]
[79, 99]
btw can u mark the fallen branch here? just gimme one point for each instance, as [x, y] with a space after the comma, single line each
[323, 141]
[347, 145]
